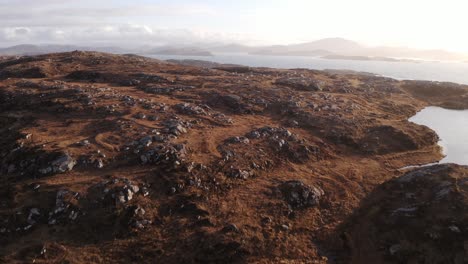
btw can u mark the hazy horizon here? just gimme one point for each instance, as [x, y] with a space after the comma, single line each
[415, 24]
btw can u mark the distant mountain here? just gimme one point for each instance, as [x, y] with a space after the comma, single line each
[44, 49]
[23, 50]
[329, 48]
[403, 52]
[332, 47]
[184, 51]
[317, 48]
[366, 58]
[286, 52]
[236, 48]
[321, 47]
[337, 45]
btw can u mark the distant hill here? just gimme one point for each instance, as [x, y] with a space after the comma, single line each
[329, 48]
[403, 52]
[185, 51]
[366, 58]
[20, 50]
[236, 48]
[323, 47]
[329, 45]
[45, 49]
[286, 52]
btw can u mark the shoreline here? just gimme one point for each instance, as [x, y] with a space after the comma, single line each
[300, 64]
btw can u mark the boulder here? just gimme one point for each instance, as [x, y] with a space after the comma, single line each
[299, 195]
[61, 164]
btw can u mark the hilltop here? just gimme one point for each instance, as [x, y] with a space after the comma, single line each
[121, 158]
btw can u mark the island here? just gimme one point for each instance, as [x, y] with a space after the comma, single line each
[366, 58]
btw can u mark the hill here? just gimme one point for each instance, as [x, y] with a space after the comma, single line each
[125, 159]
[44, 49]
[329, 48]
[185, 51]
[348, 49]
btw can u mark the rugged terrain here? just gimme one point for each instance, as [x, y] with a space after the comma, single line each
[125, 159]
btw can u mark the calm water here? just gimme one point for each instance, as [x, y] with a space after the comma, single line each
[434, 71]
[452, 128]
[450, 125]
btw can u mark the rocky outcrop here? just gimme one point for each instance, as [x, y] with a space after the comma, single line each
[299, 195]
[420, 217]
[61, 164]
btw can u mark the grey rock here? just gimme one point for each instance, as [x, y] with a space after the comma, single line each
[253, 135]
[146, 141]
[144, 191]
[239, 174]
[266, 220]
[140, 116]
[63, 164]
[134, 188]
[299, 195]
[188, 109]
[454, 229]
[84, 143]
[139, 211]
[234, 140]
[73, 215]
[394, 249]
[100, 164]
[405, 210]
[152, 118]
[33, 213]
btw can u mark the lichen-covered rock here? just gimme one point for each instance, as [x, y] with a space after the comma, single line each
[299, 195]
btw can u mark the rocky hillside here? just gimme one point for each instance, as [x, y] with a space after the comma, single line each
[418, 218]
[125, 159]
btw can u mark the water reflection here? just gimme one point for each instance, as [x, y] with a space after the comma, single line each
[452, 128]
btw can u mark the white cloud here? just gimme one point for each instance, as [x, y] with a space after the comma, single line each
[97, 22]
[128, 35]
[15, 34]
[415, 23]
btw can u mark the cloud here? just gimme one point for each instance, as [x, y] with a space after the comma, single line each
[34, 15]
[15, 34]
[125, 35]
[135, 29]
[101, 22]
[22, 31]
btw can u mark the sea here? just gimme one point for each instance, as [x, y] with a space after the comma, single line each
[456, 72]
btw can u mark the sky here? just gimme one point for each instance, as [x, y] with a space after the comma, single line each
[428, 24]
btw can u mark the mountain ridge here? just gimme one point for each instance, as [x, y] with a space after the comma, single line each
[319, 48]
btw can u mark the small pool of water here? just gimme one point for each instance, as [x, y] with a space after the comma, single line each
[452, 128]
